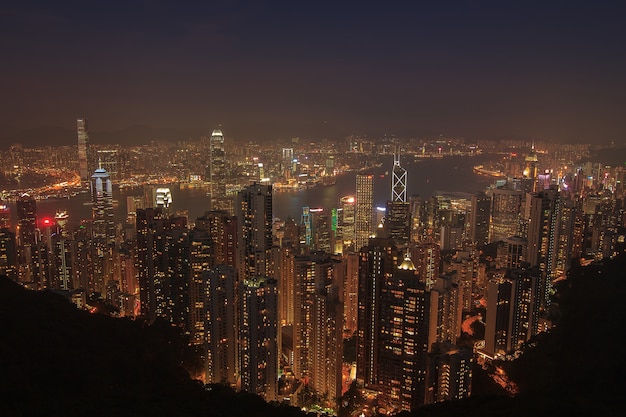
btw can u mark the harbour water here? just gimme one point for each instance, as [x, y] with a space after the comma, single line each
[426, 176]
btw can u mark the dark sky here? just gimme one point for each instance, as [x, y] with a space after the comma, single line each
[549, 70]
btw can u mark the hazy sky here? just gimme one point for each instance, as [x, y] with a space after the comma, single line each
[549, 70]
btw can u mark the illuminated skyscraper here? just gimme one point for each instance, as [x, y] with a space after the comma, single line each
[258, 336]
[83, 142]
[254, 232]
[26, 209]
[219, 200]
[103, 229]
[364, 209]
[398, 180]
[506, 208]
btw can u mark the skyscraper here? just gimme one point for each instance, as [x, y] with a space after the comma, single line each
[364, 209]
[506, 207]
[83, 141]
[103, 228]
[218, 173]
[254, 231]
[398, 180]
[258, 336]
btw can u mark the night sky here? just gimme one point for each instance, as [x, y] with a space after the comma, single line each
[268, 70]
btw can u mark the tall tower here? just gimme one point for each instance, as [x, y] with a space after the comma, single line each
[398, 179]
[83, 141]
[364, 209]
[103, 228]
[26, 209]
[218, 172]
[254, 231]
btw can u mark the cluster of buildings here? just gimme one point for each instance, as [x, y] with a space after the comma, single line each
[269, 303]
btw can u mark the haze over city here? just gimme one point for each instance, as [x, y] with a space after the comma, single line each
[266, 70]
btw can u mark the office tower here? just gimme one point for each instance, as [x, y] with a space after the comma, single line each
[220, 325]
[219, 201]
[364, 210]
[8, 253]
[103, 229]
[506, 208]
[258, 336]
[317, 229]
[398, 222]
[449, 373]
[83, 143]
[530, 170]
[541, 212]
[221, 228]
[345, 229]
[419, 220]
[479, 219]
[404, 307]
[5, 216]
[254, 231]
[163, 199]
[26, 210]
[398, 180]
[392, 335]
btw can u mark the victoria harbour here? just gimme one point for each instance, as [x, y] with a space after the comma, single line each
[426, 177]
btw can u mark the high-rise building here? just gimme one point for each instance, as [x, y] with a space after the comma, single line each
[83, 143]
[163, 197]
[364, 210]
[219, 200]
[253, 210]
[506, 208]
[450, 373]
[8, 254]
[221, 325]
[479, 219]
[541, 213]
[398, 180]
[221, 228]
[103, 229]
[258, 336]
[26, 209]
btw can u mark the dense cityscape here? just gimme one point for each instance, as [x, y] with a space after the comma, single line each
[399, 304]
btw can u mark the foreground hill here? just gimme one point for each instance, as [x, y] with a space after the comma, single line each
[56, 360]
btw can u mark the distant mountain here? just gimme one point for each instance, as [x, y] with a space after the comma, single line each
[58, 136]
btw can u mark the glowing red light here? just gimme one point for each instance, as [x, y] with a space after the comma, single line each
[47, 222]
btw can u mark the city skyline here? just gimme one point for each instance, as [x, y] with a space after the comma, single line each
[267, 71]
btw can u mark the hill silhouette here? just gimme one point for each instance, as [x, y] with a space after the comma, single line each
[56, 360]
